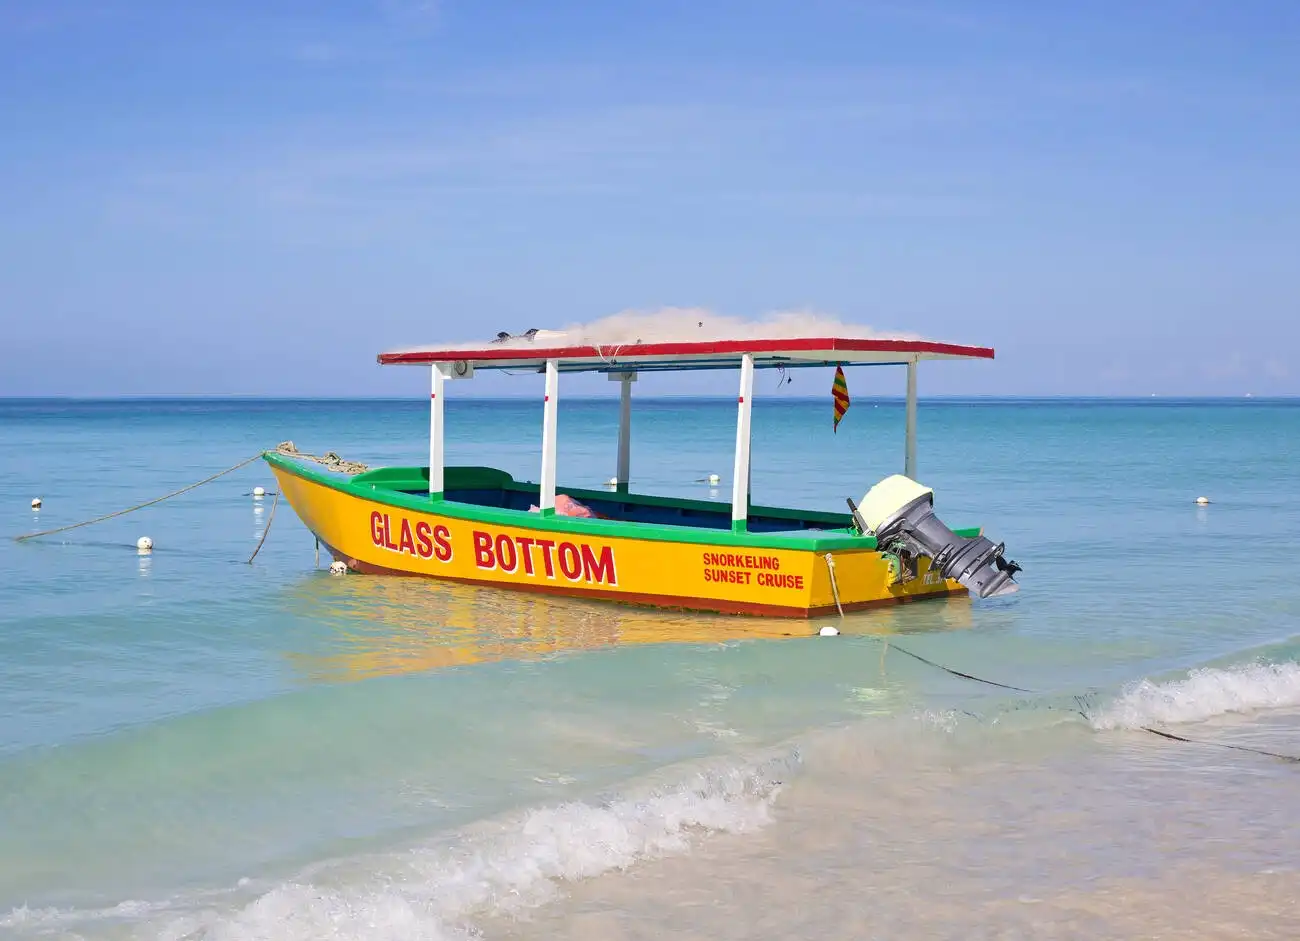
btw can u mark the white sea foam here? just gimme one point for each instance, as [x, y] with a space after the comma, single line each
[1202, 695]
[22, 915]
[44, 920]
[433, 893]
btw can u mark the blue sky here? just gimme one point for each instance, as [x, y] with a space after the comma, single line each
[257, 197]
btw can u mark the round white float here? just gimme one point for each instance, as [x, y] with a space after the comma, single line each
[714, 479]
[259, 493]
[36, 503]
[144, 544]
[338, 568]
[1202, 501]
[828, 631]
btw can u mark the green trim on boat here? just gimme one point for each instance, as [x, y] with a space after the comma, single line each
[385, 485]
[416, 479]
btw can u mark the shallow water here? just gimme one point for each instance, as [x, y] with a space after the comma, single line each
[971, 834]
[195, 747]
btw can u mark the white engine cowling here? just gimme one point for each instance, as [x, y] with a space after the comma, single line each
[900, 513]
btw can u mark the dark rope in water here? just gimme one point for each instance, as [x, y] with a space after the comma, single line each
[267, 531]
[329, 460]
[140, 506]
[1254, 751]
[964, 676]
[1145, 728]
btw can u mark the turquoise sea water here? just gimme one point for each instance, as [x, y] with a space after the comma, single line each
[191, 746]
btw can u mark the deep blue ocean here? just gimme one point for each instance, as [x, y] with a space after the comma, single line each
[196, 747]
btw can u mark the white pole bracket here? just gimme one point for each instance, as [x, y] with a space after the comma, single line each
[740, 472]
[546, 491]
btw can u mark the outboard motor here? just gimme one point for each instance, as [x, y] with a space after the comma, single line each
[899, 512]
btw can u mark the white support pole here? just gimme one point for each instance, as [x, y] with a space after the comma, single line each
[740, 473]
[624, 433]
[546, 492]
[909, 465]
[436, 453]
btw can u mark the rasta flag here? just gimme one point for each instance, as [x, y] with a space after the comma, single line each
[840, 393]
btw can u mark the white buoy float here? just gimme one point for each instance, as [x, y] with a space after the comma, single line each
[144, 544]
[1202, 501]
[612, 482]
[259, 493]
[714, 479]
[338, 568]
[36, 503]
[828, 631]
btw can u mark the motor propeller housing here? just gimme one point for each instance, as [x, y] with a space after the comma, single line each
[899, 512]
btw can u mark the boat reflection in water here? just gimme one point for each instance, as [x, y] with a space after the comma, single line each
[392, 625]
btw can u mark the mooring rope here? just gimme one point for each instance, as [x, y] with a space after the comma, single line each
[835, 591]
[330, 460]
[1191, 741]
[1142, 728]
[964, 676]
[835, 588]
[267, 531]
[140, 506]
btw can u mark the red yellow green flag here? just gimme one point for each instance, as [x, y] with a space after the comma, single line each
[840, 393]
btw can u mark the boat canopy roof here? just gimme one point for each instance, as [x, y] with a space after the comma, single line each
[578, 353]
[672, 339]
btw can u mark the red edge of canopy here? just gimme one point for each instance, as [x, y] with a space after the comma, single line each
[633, 351]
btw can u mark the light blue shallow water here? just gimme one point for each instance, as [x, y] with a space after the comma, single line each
[171, 725]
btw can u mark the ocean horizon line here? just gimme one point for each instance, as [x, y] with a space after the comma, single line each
[608, 397]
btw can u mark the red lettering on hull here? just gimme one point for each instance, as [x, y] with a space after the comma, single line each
[546, 545]
[570, 561]
[726, 576]
[734, 560]
[733, 568]
[424, 541]
[526, 553]
[442, 543]
[507, 557]
[599, 569]
[577, 562]
[421, 540]
[483, 556]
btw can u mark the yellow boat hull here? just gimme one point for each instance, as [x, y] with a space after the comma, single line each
[695, 569]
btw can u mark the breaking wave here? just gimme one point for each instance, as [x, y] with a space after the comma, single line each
[431, 893]
[1204, 694]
